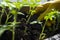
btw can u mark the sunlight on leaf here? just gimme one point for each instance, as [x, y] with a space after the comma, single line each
[38, 0]
[13, 12]
[32, 1]
[11, 5]
[4, 4]
[25, 1]
[6, 0]
[2, 31]
[20, 13]
[17, 4]
[34, 22]
[32, 12]
[51, 15]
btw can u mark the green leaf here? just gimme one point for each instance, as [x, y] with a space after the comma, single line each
[38, 0]
[20, 13]
[50, 15]
[33, 22]
[46, 18]
[17, 4]
[6, 0]
[32, 12]
[13, 12]
[2, 31]
[4, 4]
[32, 1]
[25, 2]
[51, 18]
[11, 5]
[3, 28]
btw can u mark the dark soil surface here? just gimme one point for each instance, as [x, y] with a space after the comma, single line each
[32, 32]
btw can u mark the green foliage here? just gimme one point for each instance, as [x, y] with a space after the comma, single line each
[38, 0]
[51, 15]
[6, 0]
[34, 22]
[13, 12]
[1, 31]
[25, 2]
[17, 4]
[33, 1]
[14, 8]
[11, 6]
[3, 28]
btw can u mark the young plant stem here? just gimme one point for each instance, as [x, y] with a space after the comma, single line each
[27, 23]
[40, 38]
[29, 16]
[13, 30]
[7, 14]
[30, 12]
[7, 19]
[13, 33]
[28, 19]
[1, 15]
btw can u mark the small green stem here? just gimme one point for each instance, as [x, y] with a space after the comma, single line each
[7, 20]
[13, 30]
[40, 38]
[30, 12]
[0, 20]
[13, 33]
[29, 16]
[7, 17]
[28, 19]
[15, 17]
[1, 15]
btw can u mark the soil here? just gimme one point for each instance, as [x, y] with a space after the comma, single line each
[33, 30]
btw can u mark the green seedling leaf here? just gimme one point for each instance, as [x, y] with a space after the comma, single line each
[50, 15]
[25, 2]
[2, 31]
[4, 4]
[32, 1]
[20, 13]
[34, 22]
[13, 12]
[11, 5]
[32, 12]
[32, 5]
[6, 0]
[17, 4]
[43, 35]
[39, 22]
[38, 0]
[51, 18]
